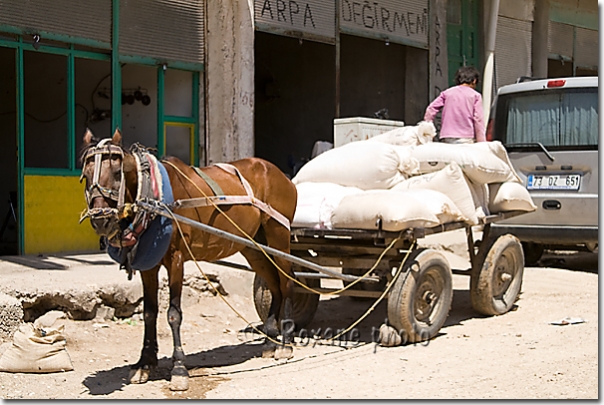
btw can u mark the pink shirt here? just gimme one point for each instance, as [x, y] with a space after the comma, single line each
[462, 115]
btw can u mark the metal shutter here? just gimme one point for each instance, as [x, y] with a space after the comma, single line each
[163, 29]
[586, 48]
[89, 19]
[312, 19]
[512, 50]
[560, 39]
[399, 21]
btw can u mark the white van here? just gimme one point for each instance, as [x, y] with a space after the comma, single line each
[550, 130]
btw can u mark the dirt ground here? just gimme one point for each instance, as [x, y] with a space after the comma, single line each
[516, 355]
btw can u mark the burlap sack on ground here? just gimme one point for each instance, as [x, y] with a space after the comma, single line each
[36, 350]
[414, 135]
[398, 210]
[451, 182]
[478, 162]
[509, 196]
[316, 203]
[362, 164]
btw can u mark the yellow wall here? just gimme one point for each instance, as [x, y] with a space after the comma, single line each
[51, 213]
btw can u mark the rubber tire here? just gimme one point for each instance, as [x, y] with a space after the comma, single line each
[420, 264]
[363, 286]
[305, 305]
[532, 253]
[504, 253]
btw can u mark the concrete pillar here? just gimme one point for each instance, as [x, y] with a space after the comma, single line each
[539, 51]
[229, 80]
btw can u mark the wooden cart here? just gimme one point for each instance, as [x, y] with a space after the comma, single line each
[420, 299]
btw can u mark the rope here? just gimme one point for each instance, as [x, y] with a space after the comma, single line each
[335, 292]
[258, 330]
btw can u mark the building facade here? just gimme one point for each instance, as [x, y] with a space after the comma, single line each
[215, 81]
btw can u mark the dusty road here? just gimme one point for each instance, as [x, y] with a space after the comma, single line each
[517, 355]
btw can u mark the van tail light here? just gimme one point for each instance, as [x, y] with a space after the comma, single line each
[489, 134]
[556, 83]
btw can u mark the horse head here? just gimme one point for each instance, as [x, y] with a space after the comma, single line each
[110, 174]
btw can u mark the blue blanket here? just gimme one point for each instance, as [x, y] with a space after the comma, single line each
[153, 243]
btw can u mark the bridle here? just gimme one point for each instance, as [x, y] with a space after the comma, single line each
[94, 190]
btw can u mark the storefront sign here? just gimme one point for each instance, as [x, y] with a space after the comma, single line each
[439, 62]
[310, 19]
[405, 22]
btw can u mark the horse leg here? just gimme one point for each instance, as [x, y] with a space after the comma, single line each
[286, 285]
[180, 375]
[265, 269]
[278, 237]
[139, 372]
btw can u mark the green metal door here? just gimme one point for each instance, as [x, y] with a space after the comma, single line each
[462, 35]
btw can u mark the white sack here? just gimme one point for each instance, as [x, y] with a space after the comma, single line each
[362, 164]
[451, 182]
[480, 195]
[479, 163]
[316, 202]
[499, 150]
[398, 210]
[510, 196]
[418, 134]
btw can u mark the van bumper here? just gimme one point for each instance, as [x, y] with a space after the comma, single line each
[553, 235]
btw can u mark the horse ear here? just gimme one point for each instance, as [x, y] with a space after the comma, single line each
[88, 136]
[117, 137]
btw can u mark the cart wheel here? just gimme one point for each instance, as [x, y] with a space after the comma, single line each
[420, 299]
[380, 286]
[305, 305]
[532, 253]
[497, 277]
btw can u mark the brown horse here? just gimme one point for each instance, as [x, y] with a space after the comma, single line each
[112, 181]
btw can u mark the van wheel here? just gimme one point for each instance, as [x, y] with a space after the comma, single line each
[532, 253]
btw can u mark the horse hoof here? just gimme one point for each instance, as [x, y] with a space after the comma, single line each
[284, 352]
[268, 351]
[138, 376]
[179, 383]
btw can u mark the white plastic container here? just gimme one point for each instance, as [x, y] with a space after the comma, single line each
[348, 130]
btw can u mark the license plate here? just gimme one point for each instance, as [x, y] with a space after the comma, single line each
[554, 182]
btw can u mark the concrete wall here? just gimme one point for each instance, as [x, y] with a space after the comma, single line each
[230, 80]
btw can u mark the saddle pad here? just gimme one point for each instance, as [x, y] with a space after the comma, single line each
[153, 243]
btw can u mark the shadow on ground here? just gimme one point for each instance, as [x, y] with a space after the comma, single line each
[55, 262]
[106, 382]
[570, 260]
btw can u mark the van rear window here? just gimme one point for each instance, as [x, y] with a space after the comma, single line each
[565, 117]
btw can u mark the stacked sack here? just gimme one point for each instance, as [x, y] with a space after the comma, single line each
[401, 179]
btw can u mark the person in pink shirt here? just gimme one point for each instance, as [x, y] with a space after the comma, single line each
[462, 115]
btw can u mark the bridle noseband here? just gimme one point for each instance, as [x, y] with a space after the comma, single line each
[104, 147]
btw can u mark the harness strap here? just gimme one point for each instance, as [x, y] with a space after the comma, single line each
[213, 185]
[234, 199]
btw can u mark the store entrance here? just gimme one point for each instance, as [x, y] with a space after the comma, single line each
[9, 229]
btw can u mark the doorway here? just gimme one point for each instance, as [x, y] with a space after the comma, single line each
[9, 229]
[462, 35]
